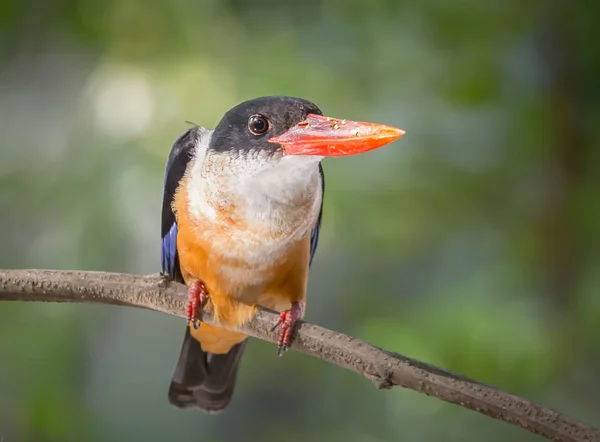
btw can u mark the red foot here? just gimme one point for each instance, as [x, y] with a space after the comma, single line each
[287, 320]
[197, 299]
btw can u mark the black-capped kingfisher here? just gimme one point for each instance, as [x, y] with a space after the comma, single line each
[241, 214]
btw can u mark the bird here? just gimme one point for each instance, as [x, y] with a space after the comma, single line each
[241, 215]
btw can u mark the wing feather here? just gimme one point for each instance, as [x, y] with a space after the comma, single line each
[181, 153]
[314, 237]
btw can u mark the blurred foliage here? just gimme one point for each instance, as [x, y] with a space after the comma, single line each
[473, 243]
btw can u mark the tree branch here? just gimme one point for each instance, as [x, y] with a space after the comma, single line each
[386, 369]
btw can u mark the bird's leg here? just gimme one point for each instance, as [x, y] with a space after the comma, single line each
[197, 299]
[287, 320]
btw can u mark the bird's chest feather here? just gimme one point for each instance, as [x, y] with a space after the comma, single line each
[244, 247]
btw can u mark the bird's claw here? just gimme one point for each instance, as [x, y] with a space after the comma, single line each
[287, 321]
[197, 300]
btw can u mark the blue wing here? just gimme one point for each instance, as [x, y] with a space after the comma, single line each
[179, 157]
[314, 237]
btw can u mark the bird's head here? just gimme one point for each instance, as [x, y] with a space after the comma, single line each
[271, 128]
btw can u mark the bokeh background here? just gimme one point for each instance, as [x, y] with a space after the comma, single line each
[472, 243]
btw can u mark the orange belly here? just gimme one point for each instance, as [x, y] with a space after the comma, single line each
[235, 286]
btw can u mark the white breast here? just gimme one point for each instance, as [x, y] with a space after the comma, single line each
[253, 208]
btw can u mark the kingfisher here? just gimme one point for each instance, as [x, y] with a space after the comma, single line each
[241, 214]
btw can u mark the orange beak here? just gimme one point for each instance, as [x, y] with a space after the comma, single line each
[330, 137]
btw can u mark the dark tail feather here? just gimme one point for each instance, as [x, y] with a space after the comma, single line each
[204, 380]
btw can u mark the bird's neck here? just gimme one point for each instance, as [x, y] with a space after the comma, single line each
[282, 197]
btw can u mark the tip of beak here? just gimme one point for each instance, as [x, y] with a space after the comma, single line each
[392, 132]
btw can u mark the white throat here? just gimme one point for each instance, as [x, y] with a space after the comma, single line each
[280, 196]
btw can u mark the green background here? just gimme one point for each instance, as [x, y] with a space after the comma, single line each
[472, 243]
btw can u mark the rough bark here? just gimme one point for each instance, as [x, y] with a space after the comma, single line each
[385, 368]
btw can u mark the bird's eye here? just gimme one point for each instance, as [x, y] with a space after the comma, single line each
[257, 124]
